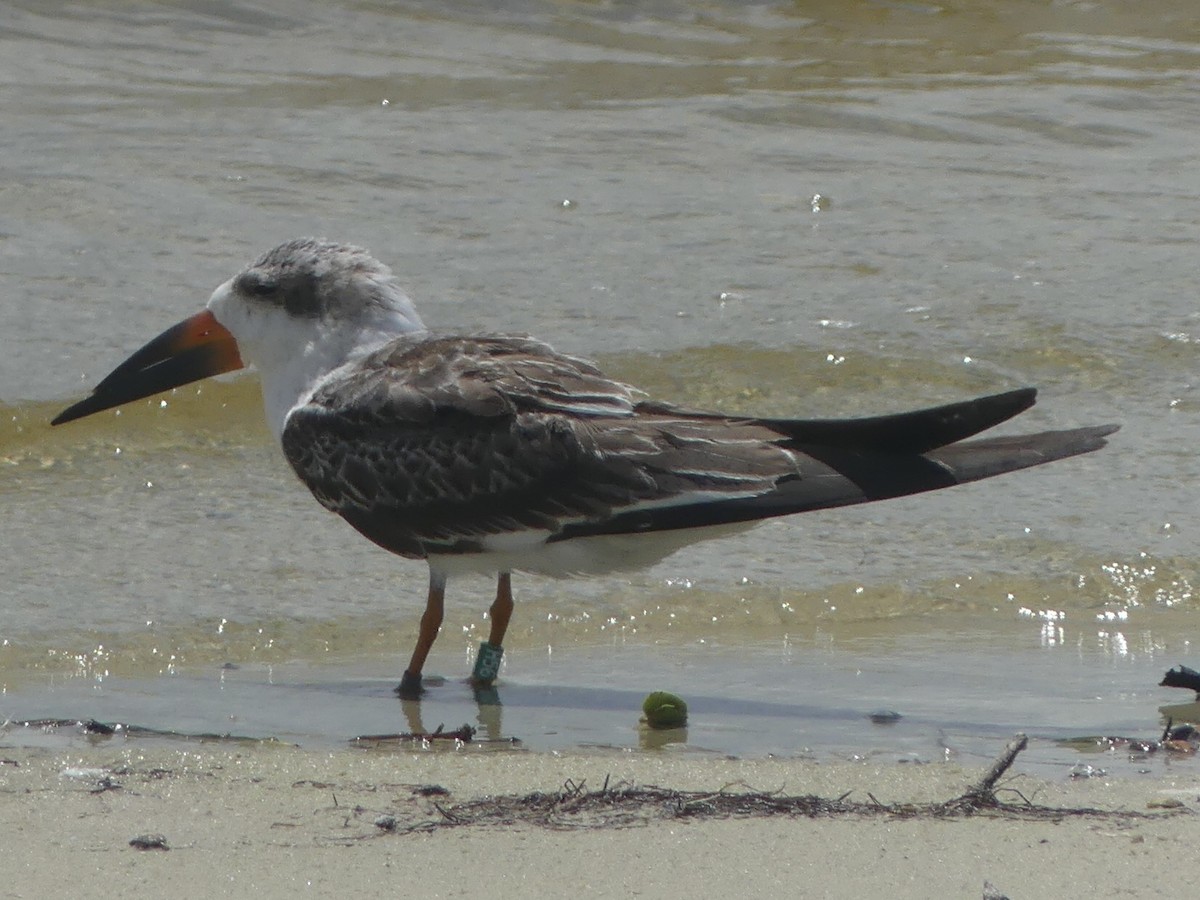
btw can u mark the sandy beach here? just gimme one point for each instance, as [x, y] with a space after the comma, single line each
[270, 820]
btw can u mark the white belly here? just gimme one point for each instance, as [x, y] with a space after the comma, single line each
[528, 552]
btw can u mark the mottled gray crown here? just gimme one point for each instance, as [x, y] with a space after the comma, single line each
[316, 278]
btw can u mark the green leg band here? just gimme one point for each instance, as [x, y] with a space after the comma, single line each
[487, 663]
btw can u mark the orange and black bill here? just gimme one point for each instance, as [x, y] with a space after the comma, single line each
[195, 348]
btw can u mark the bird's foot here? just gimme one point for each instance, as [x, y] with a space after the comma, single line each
[409, 687]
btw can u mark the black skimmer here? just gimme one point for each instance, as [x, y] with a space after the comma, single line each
[491, 453]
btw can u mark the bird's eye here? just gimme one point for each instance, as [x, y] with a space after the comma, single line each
[257, 285]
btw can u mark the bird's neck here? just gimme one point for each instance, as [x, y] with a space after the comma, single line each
[290, 382]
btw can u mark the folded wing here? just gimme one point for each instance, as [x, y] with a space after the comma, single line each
[433, 445]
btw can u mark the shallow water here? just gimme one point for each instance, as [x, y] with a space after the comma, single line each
[1009, 197]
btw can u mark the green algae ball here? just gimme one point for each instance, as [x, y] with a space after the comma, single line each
[664, 710]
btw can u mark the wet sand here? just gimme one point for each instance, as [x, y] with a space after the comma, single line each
[274, 821]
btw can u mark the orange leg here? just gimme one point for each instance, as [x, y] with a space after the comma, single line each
[487, 663]
[502, 609]
[431, 623]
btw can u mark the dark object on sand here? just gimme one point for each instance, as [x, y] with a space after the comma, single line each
[1182, 677]
[149, 842]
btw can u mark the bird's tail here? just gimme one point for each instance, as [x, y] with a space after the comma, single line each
[842, 463]
[973, 460]
[868, 474]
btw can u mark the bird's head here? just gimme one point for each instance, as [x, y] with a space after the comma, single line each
[296, 313]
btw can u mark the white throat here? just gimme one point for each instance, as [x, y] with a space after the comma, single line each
[294, 355]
